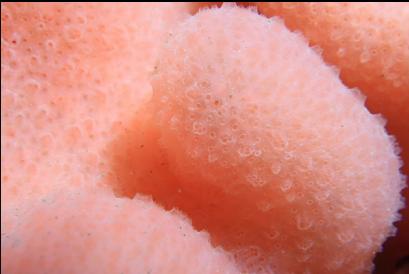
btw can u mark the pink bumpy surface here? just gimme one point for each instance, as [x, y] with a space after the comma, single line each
[88, 231]
[368, 42]
[245, 107]
[248, 133]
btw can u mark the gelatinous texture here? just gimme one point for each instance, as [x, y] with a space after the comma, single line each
[92, 232]
[252, 121]
[369, 42]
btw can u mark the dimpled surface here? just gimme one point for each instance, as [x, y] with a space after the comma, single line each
[66, 94]
[66, 90]
[67, 232]
[245, 107]
[68, 108]
[369, 42]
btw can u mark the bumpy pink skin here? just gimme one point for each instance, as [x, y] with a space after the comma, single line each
[73, 77]
[368, 42]
[67, 91]
[71, 117]
[245, 107]
[88, 231]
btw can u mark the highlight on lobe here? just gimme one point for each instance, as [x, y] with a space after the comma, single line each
[204, 137]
